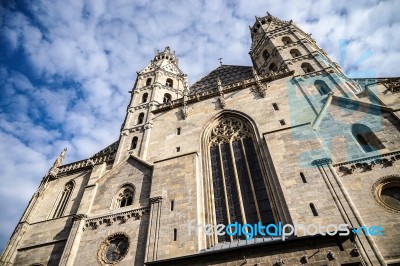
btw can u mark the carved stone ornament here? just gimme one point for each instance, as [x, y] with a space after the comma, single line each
[58, 162]
[113, 249]
[260, 87]
[229, 129]
[184, 110]
[79, 217]
[222, 101]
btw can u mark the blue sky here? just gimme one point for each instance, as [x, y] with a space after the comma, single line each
[66, 66]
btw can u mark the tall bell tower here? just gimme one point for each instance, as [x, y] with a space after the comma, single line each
[279, 45]
[160, 82]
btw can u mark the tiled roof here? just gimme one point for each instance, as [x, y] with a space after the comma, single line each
[226, 73]
[107, 150]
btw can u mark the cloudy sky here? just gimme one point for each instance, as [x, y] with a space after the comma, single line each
[66, 66]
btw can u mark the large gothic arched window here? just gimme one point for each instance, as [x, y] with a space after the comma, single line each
[237, 181]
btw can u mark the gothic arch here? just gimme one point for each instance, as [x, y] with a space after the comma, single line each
[124, 196]
[236, 187]
[366, 138]
[63, 199]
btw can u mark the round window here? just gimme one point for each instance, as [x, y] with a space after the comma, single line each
[113, 249]
[386, 191]
[391, 196]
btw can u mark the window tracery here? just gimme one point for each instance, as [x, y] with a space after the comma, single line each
[124, 197]
[239, 191]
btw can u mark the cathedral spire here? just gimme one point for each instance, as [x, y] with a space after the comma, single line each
[57, 163]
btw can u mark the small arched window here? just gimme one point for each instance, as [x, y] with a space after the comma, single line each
[148, 82]
[272, 67]
[140, 118]
[307, 68]
[322, 87]
[63, 200]
[144, 97]
[124, 196]
[167, 98]
[286, 40]
[169, 83]
[366, 138]
[265, 55]
[295, 53]
[134, 143]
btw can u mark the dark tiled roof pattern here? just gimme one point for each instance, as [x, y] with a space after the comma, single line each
[226, 73]
[107, 150]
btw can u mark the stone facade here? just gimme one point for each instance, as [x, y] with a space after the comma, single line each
[291, 137]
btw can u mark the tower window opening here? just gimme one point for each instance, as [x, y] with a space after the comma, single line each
[273, 67]
[275, 106]
[167, 98]
[144, 97]
[178, 131]
[322, 87]
[140, 118]
[148, 81]
[169, 83]
[172, 205]
[307, 68]
[286, 40]
[295, 53]
[265, 55]
[366, 138]
[178, 149]
[313, 209]
[282, 122]
[134, 143]
[175, 234]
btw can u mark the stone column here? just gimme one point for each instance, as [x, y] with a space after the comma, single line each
[154, 229]
[72, 245]
[369, 251]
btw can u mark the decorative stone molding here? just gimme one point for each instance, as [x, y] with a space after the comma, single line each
[184, 111]
[259, 87]
[86, 163]
[79, 217]
[155, 199]
[322, 161]
[382, 184]
[222, 101]
[110, 219]
[369, 163]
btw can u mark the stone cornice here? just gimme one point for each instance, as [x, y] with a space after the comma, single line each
[87, 163]
[368, 163]
[109, 219]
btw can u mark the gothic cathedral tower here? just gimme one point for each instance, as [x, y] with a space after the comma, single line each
[160, 82]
